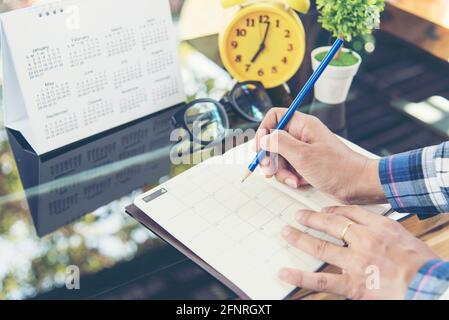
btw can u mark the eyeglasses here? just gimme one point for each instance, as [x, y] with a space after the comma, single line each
[207, 119]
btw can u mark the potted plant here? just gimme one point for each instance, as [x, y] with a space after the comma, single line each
[345, 19]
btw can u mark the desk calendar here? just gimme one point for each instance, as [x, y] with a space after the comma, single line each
[79, 67]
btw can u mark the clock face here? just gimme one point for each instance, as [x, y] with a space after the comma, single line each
[263, 45]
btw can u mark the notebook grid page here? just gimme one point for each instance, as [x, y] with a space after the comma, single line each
[234, 227]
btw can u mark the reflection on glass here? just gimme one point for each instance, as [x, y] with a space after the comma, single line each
[64, 186]
[252, 101]
[206, 121]
[104, 240]
[98, 176]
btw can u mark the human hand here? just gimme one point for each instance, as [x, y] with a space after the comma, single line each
[309, 153]
[379, 262]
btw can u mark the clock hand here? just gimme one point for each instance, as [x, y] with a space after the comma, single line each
[266, 33]
[262, 45]
[259, 51]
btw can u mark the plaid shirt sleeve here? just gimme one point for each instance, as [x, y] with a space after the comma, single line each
[418, 182]
[431, 281]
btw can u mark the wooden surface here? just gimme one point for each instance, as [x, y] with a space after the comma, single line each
[435, 11]
[193, 23]
[434, 232]
[424, 23]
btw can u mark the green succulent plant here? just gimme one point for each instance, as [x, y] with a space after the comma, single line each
[350, 18]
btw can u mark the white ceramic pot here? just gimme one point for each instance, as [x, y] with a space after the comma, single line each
[335, 82]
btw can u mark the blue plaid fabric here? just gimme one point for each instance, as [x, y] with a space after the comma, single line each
[418, 182]
[431, 281]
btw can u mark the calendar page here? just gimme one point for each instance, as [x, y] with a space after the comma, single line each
[236, 227]
[85, 66]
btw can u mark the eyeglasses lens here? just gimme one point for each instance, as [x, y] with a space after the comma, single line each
[205, 121]
[252, 101]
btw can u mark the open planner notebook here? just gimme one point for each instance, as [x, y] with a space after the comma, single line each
[232, 229]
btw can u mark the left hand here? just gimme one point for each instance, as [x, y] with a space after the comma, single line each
[379, 262]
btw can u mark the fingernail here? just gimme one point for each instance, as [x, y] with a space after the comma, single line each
[284, 274]
[291, 183]
[299, 215]
[286, 231]
[265, 162]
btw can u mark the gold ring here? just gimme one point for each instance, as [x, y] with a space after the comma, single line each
[345, 230]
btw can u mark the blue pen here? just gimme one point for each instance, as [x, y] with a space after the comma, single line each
[298, 100]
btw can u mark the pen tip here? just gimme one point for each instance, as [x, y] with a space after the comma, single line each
[246, 176]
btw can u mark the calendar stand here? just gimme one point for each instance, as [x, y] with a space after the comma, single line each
[79, 75]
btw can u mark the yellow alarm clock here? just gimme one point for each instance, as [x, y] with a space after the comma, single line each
[264, 41]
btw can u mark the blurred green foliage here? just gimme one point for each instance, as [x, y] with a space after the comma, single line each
[349, 18]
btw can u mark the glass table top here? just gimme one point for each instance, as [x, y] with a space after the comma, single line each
[68, 207]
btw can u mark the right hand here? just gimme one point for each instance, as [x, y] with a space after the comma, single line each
[309, 153]
[379, 262]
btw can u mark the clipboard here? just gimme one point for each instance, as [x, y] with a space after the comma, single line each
[224, 236]
[154, 227]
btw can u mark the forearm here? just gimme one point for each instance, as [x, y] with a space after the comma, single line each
[412, 182]
[417, 181]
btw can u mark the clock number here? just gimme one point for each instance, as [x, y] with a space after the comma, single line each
[241, 32]
[287, 33]
[264, 19]
[247, 67]
[260, 73]
[274, 69]
[234, 44]
[290, 47]
[284, 60]
[278, 23]
[250, 22]
[238, 58]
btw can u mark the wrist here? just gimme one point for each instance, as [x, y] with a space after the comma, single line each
[367, 188]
